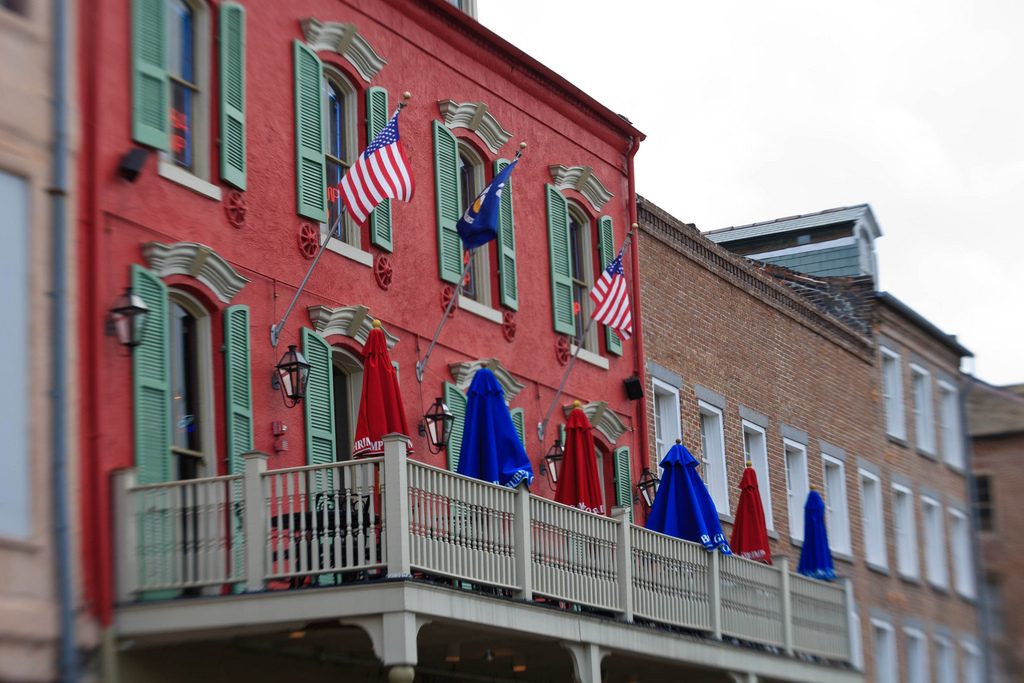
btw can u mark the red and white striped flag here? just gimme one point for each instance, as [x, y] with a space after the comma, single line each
[381, 172]
[611, 299]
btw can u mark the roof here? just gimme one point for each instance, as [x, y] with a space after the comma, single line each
[927, 326]
[994, 411]
[847, 298]
[843, 214]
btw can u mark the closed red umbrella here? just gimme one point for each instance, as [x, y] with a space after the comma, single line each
[749, 531]
[578, 484]
[380, 406]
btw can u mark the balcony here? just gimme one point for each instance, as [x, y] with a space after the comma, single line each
[390, 545]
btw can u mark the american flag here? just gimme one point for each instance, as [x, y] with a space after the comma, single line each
[381, 172]
[611, 299]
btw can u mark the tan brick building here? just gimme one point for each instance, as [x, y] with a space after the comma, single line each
[806, 376]
[996, 420]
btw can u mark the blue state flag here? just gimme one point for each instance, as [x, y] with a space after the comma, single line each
[479, 225]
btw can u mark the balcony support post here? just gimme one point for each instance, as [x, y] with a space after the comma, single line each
[396, 506]
[853, 653]
[715, 594]
[586, 658]
[255, 515]
[787, 607]
[126, 536]
[523, 540]
[624, 562]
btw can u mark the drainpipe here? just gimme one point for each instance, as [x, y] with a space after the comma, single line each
[58, 322]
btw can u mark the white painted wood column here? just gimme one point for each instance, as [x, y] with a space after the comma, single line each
[523, 543]
[255, 526]
[126, 536]
[396, 507]
[586, 659]
[624, 562]
[855, 654]
[787, 607]
[715, 593]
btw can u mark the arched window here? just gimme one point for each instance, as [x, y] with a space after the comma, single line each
[187, 58]
[347, 378]
[472, 179]
[192, 424]
[581, 253]
[342, 141]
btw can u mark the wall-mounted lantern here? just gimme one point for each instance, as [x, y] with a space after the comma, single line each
[552, 462]
[129, 316]
[647, 485]
[439, 421]
[291, 375]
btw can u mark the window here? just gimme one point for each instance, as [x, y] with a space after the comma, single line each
[712, 448]
[934, 543]
[347, 380]
[884, 641]
[666, 417]
[15, 465]
[949, 416]
[472, 180]
[874, 525]
[917, 656]
[945, 660]
[960, 542]
[342, 142]
[190, 389]
[892, 393]
[796, 486]
[187, 75]
[994, 606]
[755, 450]
[924, 421]
[837, 519]
[984, 509]
[906, 531]
[581, 253]
[974, 667]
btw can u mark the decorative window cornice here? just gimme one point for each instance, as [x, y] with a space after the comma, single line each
[474, 116]
[463, 375]
[583, 180]
[197, 261]
[344, 39]
[602, 419]
[354, 322]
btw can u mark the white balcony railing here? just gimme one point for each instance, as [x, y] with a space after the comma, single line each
[346, 522]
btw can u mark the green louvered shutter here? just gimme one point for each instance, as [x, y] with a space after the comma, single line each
[310, 163]
[561, 268]
[151, 88]
[151, 383]
[623, 480]
[507, 244]
[237, 386]
[449, 199]
[319, 400]
[518, 421]
[376, 119]
[456, 402]
[232, 94]
[607, 236]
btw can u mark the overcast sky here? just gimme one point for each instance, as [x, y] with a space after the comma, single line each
[756, 110]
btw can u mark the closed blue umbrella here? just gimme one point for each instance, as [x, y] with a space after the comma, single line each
[815, 555]
[491, 449]
[683, 507]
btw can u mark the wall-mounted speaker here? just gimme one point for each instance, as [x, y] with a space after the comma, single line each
[634, 390]
[132, 163]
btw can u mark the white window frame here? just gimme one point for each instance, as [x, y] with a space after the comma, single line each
[908, 563]
[885, 672]
[667, 427]
[924, 411]
[936, 568]
[973, 664]
[352, 249]
[796, 491]
[960, 549]
[759, 458]
[715, 472]
[892, 393]
[587, 248]
[204, 351]
[917, 668]
[837, 507]
[950, 428]
[873, 519]
[945, 671]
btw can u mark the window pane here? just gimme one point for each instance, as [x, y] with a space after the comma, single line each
[796, 489]
[580, 284]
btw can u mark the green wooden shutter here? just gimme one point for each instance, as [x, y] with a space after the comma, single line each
[151, 88]
[561, 268]
[237, 386]
[310, 163]
[456, 402]
[606, 235]
[507, 244]
[319, 400]
[151, 383]
[518, 421]
[623, 480]
[449, 200]
[376, 119]
[232, 94]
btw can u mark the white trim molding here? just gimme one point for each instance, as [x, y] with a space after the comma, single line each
[354, 322]
[463, 373]
[583, 180]
[474, 116]
[602, 419]
[197, 261]
[345, 40]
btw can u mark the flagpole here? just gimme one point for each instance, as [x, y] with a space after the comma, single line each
[421, 366]
[543, 425]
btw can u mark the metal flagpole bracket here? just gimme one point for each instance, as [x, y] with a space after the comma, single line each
[421, 366]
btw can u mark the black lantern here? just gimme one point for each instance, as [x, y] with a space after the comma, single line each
[439, 425]
[552, 461]
[129, 316]
[291, 376]
[647, 484]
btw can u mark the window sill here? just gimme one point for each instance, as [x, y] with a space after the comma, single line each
[927, 454]
[796, 542]
[24, 545]
[482, 310]
[939, 588]
[347, 250]
[967, 597]
[898, 440]
[727, 518]
[773, 534]
[590, 357]
[842, 555]
[958, 469]
[910, 578]
[878, 568]
[177, 174]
